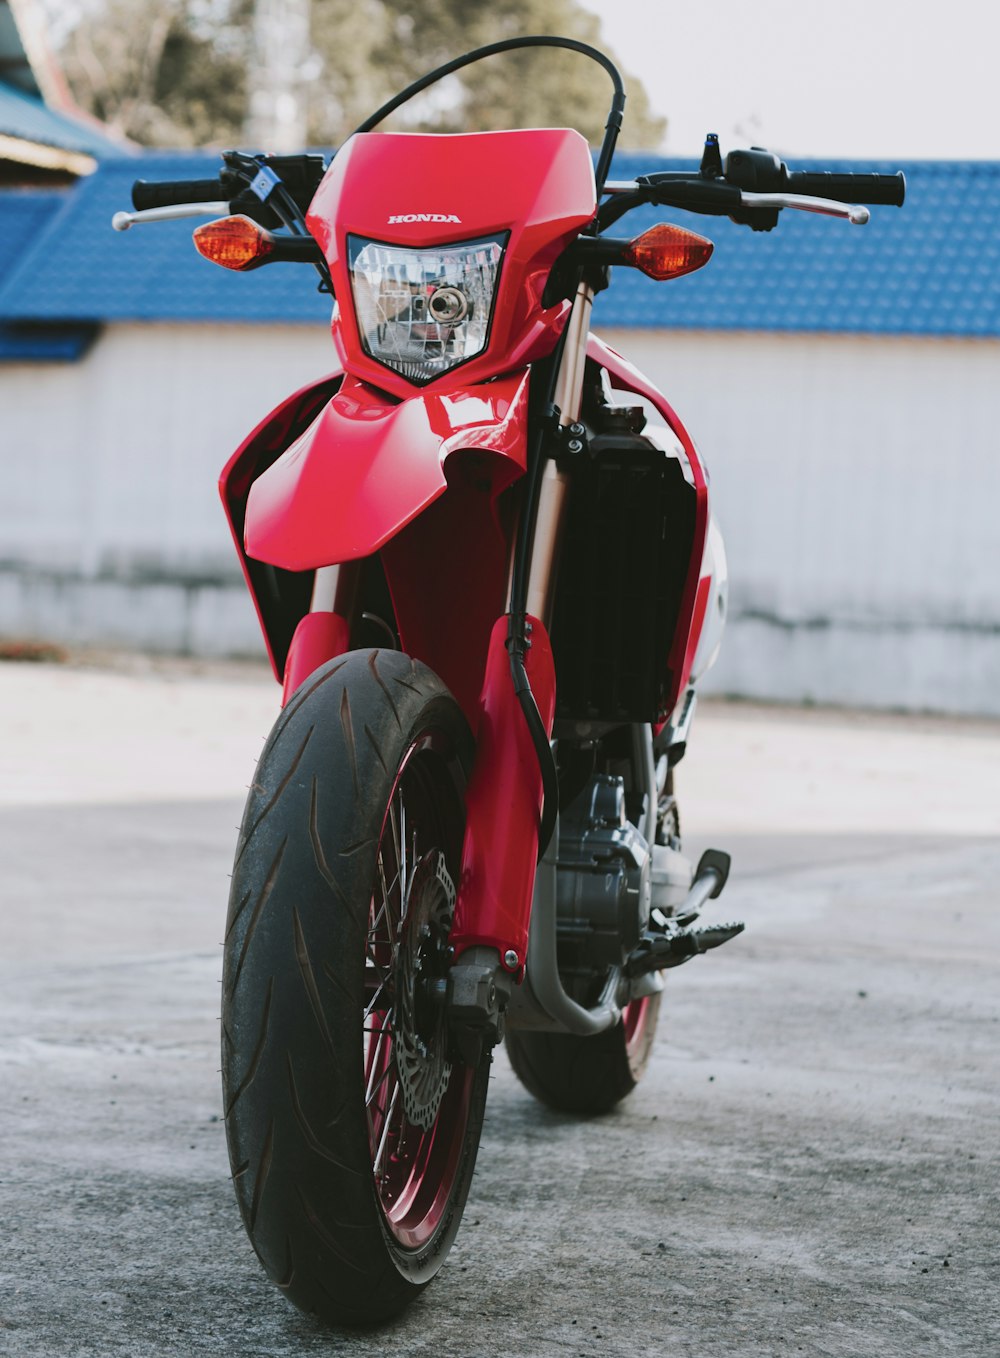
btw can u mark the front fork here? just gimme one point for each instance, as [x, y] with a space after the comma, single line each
[493, 913]
[498, 868]
[568, 399]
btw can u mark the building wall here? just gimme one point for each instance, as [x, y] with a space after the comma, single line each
[856, 480]
[857, 483]
[111, 527]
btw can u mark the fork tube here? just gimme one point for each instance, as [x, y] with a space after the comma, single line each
[569, 382]
[335, 589]
[324, 592]
[568, 396]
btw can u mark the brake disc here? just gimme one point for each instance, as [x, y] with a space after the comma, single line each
[420, 1029]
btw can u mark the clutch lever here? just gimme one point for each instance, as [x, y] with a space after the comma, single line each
[854, 213]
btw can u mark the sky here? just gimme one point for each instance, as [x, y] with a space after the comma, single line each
[878, 79]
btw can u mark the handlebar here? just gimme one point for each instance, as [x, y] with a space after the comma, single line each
[881, 190]
[177, 191]
[246, 183]
[751, 188]
[762, 172]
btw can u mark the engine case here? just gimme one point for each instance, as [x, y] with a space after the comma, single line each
[603, 879]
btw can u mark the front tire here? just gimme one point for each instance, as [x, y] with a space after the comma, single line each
[351, 1137]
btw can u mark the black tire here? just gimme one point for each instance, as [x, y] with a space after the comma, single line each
[350, 1205]
[587, 1075]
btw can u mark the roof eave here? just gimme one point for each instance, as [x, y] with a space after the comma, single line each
[45, 157]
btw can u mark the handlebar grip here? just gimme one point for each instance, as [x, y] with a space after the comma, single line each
[146, 195]
[879, 189]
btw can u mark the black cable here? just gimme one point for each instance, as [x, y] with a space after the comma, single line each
[611, 129]
[517, 637]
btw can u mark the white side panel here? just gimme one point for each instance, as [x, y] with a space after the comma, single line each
[713, 564]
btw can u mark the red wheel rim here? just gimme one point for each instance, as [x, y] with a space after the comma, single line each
[414, 1169]
[635, 1018]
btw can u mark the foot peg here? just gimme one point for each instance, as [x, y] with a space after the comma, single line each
[671, 948]
[674, 942]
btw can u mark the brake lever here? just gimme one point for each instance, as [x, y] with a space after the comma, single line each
[713, 195]
[121, 221]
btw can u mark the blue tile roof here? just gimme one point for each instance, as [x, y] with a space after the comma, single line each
[930, 268]
[23, 214]
[81, 270]
[24, 115]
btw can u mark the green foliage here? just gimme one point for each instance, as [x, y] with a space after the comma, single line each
[177, 72]
[172, 73]
[518, 89]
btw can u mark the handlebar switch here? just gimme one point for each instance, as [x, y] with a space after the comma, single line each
[757, 170]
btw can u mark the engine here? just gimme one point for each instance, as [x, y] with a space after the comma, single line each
[603, 881]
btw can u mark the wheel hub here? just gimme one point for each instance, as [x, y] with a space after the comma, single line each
[420, 1031]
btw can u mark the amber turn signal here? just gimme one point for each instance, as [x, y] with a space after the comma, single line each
[666, 251]
[234, 242]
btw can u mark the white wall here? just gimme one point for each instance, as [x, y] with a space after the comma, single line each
[857, 482]
[111, 528]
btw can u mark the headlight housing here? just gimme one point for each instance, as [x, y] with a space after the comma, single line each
[422, 311]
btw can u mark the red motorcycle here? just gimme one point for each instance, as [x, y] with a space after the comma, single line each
[489, 582]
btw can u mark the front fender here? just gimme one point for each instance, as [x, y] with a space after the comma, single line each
[369, 464]
[280, 598]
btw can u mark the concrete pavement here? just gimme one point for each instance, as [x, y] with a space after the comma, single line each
[811, 1165]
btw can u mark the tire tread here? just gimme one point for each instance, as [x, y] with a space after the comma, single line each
[292, 996]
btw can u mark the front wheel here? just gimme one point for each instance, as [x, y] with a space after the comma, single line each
[352, 1137]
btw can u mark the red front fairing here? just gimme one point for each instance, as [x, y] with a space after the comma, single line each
[279, 609]
[422, 483]
[538, 186]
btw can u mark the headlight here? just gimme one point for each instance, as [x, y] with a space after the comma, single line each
[423, 311]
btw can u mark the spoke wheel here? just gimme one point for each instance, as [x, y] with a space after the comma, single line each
[352, 1138]
[414, 1100]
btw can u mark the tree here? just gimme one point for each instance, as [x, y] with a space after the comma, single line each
[172, 73]
[175, 72]
[545, 88]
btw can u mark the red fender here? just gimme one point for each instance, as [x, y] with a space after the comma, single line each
[370, 464]
[317, 639]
